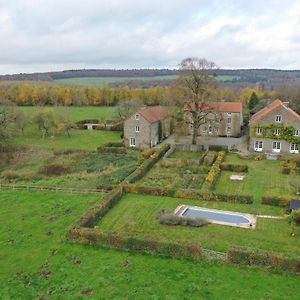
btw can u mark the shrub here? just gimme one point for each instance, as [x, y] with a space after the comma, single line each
[10, 174]
[54, 170]
[285, 170]
[275, 201]
[296, 216]
[218, 148]
[234, 168]
[246, 256]
[147, 152]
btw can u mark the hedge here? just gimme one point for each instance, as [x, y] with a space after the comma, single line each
[246, 256]
[275, 201]
[117, 147]
[134, 243]
[141, 171]
[94, 214]
[214, 172]
[234, 168]
[187, 194]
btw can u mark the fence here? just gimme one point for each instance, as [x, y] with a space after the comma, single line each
[50, 188]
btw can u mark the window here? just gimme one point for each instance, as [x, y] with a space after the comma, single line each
[229, 120]
[297, 132]
[229, 114]
[294, 148]
[258, 130]
[228, 130]
[278, 119]
[137, 128]
[132, 142]
[210, 130]
[258, 146]
[276, 147]
[137, 117]
[277, 131]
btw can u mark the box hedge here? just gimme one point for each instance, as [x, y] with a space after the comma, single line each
[246, 256]
[234, 168]
[275, 201]
[135, 243]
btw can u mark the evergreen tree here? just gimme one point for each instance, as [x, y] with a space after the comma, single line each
[253, 101]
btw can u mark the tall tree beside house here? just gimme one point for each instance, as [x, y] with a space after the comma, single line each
[196, 78]
[253, 101]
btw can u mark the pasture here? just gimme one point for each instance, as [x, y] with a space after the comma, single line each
[38, 263]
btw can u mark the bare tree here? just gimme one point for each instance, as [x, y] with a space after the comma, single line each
[197, 78]
[126, 108]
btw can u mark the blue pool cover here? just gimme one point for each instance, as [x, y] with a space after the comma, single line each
[216, 216]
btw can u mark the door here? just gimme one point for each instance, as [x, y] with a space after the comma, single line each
[258, 146]
[276, 147]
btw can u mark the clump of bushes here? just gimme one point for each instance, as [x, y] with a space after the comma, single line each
[54, 170]
[147, 152]
[275, 201]
[167, 217]
[10, 175]
[246, 256]
[295, 216]
[234, 168]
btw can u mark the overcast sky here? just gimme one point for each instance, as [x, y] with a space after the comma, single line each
[46, 35]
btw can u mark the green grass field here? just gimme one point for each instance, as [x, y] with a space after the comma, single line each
[102, 81]
[263, 179]
[136, 214]
[186, 155]
[38, 263]
[77, 113]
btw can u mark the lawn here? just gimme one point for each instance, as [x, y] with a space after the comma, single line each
[263, 179]
[79, 139]
[186, 154]
[72, 169]
[76, 113]
[37, 262]
[136, 214]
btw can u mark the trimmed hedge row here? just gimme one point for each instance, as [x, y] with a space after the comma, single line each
[141, 171]
[94, 214]
[246, 256]
[133, 243]
[187, 194]
[214, 172]
[275, 201]
[234, 168]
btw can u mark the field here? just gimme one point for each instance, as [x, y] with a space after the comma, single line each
[136, 214]
[186, 155]
[77, 113]
[263, 179]
[38, 263]
[68, 169]
[102, 81]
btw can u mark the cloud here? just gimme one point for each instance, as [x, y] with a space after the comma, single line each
[41, 35]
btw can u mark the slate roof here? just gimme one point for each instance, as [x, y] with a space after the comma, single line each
[269, 108]
[153, 113]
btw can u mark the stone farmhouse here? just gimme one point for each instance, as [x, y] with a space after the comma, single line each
[147, 127]
[275, 129]
[229, 123]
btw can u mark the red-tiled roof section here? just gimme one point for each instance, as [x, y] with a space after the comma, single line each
[234, 107]
[153, 113]
[269, 108]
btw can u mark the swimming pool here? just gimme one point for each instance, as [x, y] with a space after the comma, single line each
[216, 216]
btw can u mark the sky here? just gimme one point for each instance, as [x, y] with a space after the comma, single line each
[53, 35]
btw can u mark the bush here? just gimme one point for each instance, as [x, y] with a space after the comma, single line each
[275, 201]
[54, 170]
[295, 216]
[246, 256]
[234, 168]
[147, 152]
[218, 148]
[10, 174]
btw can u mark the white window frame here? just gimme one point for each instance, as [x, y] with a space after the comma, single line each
[137, 117]
[229, 120]
[277, 131]
[278, 119]
[228, 130]
[137, 128]
[297, 132]
[210, 129]
[258, 146]
[132, 142]
[276, 149]
[294, 148]
[258, 130]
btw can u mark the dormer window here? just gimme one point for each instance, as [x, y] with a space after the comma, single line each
[258, 131]
[276, 131]
[137, 117]
[297, 132]
[278, 119]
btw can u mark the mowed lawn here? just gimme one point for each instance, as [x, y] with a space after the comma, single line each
[79, 139]
[186, 154]
[136, 214]
[38, 263]
[76, 113]
[264, 178]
